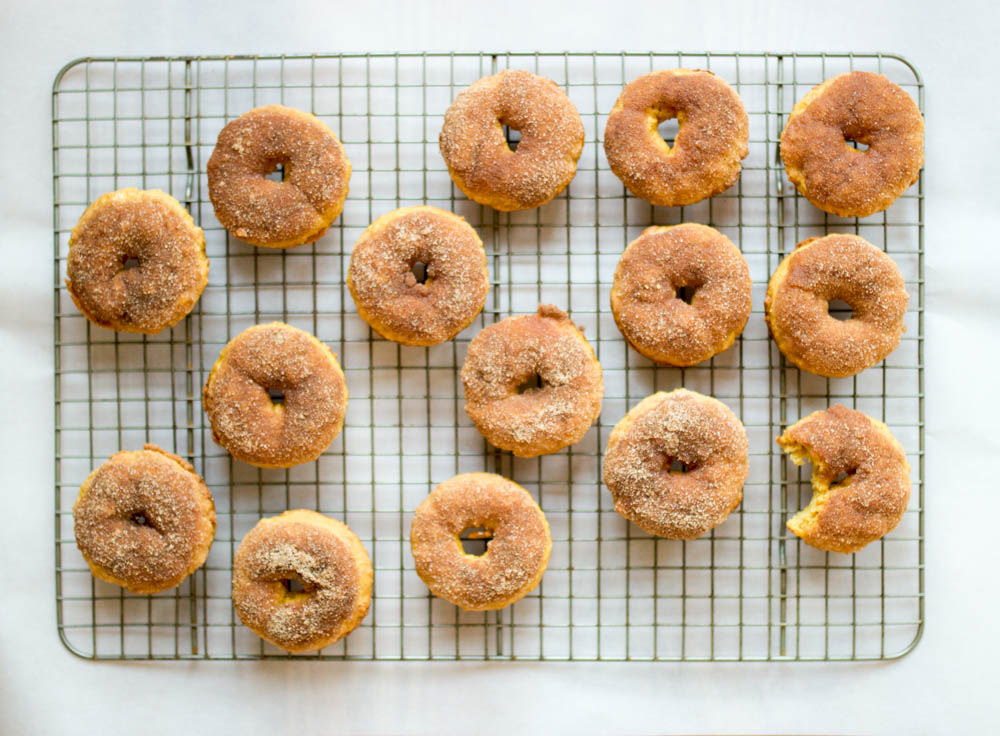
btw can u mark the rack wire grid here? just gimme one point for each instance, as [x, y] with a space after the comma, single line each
[747, 591]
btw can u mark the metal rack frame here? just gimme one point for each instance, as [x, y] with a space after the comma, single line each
[748, 591]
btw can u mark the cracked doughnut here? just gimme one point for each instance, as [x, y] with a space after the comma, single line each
[832, 174]
[147, 228]
[860, 479]
[516, 554]
[479, 160]
[646, 304]
[821, 270]
[269, 213]
[532, 383]
[711, 142]
[144, 520]
[386, 291]
[246, 420]
[322, 554]
[696, 432]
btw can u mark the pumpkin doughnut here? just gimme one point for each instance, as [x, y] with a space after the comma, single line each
[821, 270]
[860, 479]
[246, 421]
[832, 174]
[144, 520]
[386, 291]
[704, 437]
[321, 553]
[479, 160]
[709, 147]
[147, 228]
[645, 296]
[532, 383]
[516, 554]
[274, 214]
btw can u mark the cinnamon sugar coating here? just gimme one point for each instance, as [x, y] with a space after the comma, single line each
[833, 175]
[535, 420]
[650, 313]
[683, 426]
[821, 270]
[860, 478]
[144, 520]
[479, 160]
[711, 142]
[515, 557]
[244, 419]
[325, 556]
[387, 293]
[152, 228]
[269, 213]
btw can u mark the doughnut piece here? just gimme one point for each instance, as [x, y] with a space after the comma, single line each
[320, 553]
[710, 145]
[385, 287]
[479, 160]
[676, 464]
[144, 520]
[821, 270]
[275, 431]
[832, 174]
[860, 479]
[532, 383]
[136, 261]
[516, 554]
[646, 293]
[275, 214]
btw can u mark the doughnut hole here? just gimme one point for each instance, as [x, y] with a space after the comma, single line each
[839, 309]
[139, 518]
[293, 588]
[665, 126]
[686, 293]
[419, 271]
[857, 145]
[668, 129]
[277, 396]
[277, 171]
[532, 383]
[130, 262]
[512, 136]
[475, 539]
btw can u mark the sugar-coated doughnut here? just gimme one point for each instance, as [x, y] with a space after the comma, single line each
[832, 174]
[144, 520]
[322, 554]
[646, 300]
[699, 434]
[269, 213]
[248, 423]
[860, 479]
[707, 153]
[479, 160]
[516, 554]
[386, 290]
[136, 261]
[532, 382]
[821, 270]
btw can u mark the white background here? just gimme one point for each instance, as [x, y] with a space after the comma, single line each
[948, 684]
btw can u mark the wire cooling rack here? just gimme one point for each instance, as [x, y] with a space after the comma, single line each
[748, 591]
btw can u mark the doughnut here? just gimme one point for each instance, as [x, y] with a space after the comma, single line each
[245, 418]
[477, 155]
[821, 270]
[710, 145]
[860, 479]
[516, 553]
[696, 432]
[322, 554]
[832, 174]
[386, 290]
[532, 383]
[136, 261]
[275, 214]
[144, 520]
[646, 300]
